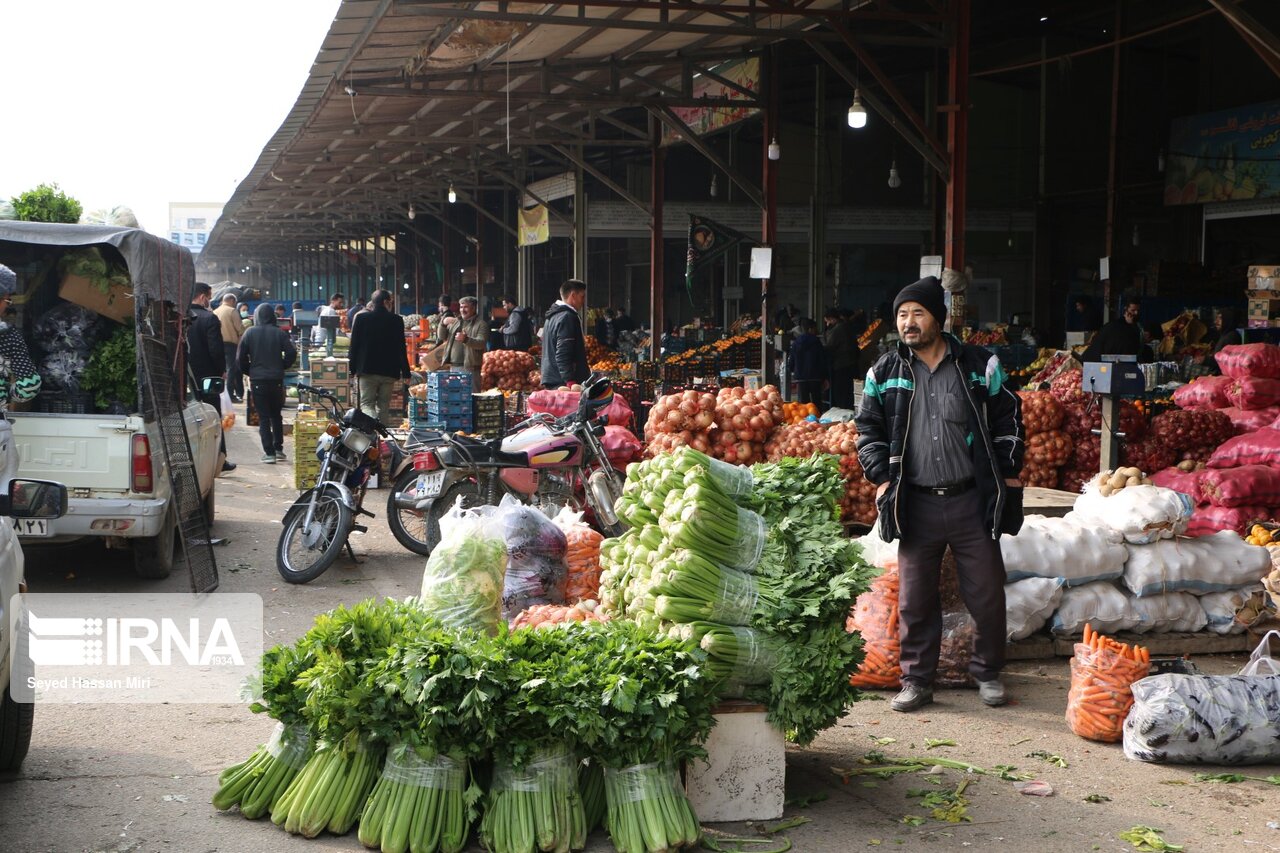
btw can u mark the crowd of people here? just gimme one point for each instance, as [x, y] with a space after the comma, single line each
[825, 363]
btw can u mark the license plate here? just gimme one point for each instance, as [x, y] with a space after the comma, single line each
[31, 526]
[429, 485]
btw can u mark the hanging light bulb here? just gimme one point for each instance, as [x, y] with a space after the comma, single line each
[775, 150]
[713, 185]
[453, 195]
[1137, 238]
[412, 212]
[1160, 161]
[894, 180]
[857, 112]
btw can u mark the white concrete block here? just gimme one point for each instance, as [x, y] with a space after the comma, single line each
[745, 773]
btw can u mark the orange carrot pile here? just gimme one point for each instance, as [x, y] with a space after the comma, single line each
[583, 560]
[1102, 675]
[550, 615]
[875, 616]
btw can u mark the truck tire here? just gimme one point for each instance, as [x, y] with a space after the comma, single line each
[16, 717]
[153, 556]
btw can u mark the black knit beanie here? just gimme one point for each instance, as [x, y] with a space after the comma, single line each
[928, 292]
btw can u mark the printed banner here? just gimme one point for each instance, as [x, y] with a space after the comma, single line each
[705, 120]
[708, 240]
[535, 226]
[1232, 155]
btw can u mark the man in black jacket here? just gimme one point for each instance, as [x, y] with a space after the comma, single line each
[378, 356]
[265, 353]
[564, 349]
[940, 434]
[205, 354]
[517, 332]
[1121, 336]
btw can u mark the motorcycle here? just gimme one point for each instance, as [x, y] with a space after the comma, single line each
[316, 528]
[544, 462]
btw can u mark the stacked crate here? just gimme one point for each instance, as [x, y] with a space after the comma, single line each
[333, 375]
[1264, 296]
[488, 414]
[308, 426]
[449, 400]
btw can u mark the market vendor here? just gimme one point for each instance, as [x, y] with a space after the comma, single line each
[940, 434]
[19, 380]
[1121, 336]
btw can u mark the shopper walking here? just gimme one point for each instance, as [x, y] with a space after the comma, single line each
[842, 355]
[232, 331]
[378, 356]
[564, 349]
[517, 332]
[266, 352]
[205, 355]
[808, 362]
[940, 434]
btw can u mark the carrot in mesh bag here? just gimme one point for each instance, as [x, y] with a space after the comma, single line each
[582, 557]
[1102, 675]
[875, 616]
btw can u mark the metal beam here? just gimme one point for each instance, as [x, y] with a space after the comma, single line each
[619, 99]
[671, 120]
[958, 139]
[415, 7]
[601, 177]
[1257, 35]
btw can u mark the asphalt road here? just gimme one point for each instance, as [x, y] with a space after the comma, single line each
[139, 778]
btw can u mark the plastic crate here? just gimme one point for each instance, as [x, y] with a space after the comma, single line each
[449, 379]
[324, 370]
[448, 410]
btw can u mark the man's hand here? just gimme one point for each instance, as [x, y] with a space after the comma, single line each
[461, 336]
[880, 489]
[1013, 481]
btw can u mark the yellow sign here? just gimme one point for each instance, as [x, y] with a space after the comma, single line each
[535, 226]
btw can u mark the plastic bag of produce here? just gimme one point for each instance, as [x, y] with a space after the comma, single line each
[582, 557]
[1187, 482]
[1253, 393]
[1063, 549]
[1100, 604]
[1204, 719]
[1249, 360]
[1139, 513]
[1260, 447]
[1212, 563]
[1172, 611]
[1220, 609]
[562, 402]
[1248, 420]
[462, 583]
[1102, 679]
[956, 651]
[536, 806]
[636, 795]
[392, 821]
[1248, 485]
[1029, 603]
[875, 617]
[536, 546]
[1207, 392]
[1208, 520]
[878, 552]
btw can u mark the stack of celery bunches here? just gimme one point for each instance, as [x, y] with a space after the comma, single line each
[416, 729]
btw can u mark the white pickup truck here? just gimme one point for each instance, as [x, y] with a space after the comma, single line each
[113, 466]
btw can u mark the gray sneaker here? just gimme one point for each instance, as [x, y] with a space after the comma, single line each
[280, 457]
[913, 696]
[269, 458]
[992, 692]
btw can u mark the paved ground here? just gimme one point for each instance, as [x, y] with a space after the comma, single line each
[139, 778]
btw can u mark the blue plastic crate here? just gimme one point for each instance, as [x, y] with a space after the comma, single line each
[453, 379]
[440, 410]
[451, 395]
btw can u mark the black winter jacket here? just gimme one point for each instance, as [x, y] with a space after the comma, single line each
[204, 343]
[564, 349]
[377, 344]
[517, 332]
[266, 351]
[995, 432]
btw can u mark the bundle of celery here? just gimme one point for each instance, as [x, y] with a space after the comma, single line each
[431, 696]
[255, 785]
[331, 789]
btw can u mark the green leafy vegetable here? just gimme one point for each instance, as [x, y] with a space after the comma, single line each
[1148, 838]
[112, 372]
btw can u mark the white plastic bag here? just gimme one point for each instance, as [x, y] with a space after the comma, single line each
[1173, 611]
[1061, 548]
[878, 552]
[1262, 662]
[1205, 564]
[462, 583]
[1139, 513]
[1028, 605]
[1204, 719]
[536, 545]
[1100, 604]
[1220, 609]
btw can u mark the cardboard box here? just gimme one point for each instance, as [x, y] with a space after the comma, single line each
[1263, 309]
[329, 370]
[117, 304]
[1264, 278]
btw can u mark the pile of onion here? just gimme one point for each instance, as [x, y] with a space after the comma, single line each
[1191, 432]
[1066, 388]
[800, 440]
[509, 370]
[1149, 454]
[680, 420]
[745, 421]
[859, 501]
[1083, 466]
[1080, 422]
[1040, 412]
[1048, 446]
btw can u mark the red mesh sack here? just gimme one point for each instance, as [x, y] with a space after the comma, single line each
[1207, 520]
[1262, 360]
[1040, 412]
[1250, 485]
[1187, 430]
[1187, 482]
[1260, 447]
[620, 446]
[1248, 420]
[1149, 454]
[1253, 392]
[562, 402]
[1207, 392]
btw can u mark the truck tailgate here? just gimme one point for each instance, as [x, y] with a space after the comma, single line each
[80, 451]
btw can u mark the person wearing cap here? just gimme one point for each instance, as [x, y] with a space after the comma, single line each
[378, 356]
[19, 379]
[465, 338]
[940, 434]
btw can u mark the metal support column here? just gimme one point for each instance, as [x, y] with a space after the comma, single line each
[1113, 197]
[768, 215]
[479, 256]
[657, 291]
[579, 222]
[958, 138]
[818, 206]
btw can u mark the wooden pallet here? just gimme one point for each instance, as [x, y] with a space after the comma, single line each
[1171, 644]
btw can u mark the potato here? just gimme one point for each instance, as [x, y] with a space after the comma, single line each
[1131, 472]
[1146, 481]
[1187, 465]
[1105, 490]
[1133, 481]
[1118, 480]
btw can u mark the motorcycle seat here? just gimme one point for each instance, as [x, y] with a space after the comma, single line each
[478, 450]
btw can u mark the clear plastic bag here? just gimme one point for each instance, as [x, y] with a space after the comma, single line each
[537, 806]
[290, 745]
[536, 572]
[736, 480]
[1262, 662]
[1101, 692]
[1204, 719]
[462, 583]
[633, 794]
[396, 815]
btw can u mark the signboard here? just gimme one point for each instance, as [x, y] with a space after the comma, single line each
[549, 189]
[761, 262]
[705, 120]
[534, 226]
[1232, 155]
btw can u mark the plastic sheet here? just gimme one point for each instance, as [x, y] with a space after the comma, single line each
[1101, 694]
[462, 583]
[736, 480]
[1204, 719]
[406, 767]
[735, 599]
[290, 745]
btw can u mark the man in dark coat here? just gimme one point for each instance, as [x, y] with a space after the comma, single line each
[378, 356]
[808, 362]
[204, 352]
[265, 353]
[1122, 336]
[564, 348]
[842, 355]
[517, 332]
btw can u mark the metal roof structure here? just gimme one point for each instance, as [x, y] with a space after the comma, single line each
[411, 97]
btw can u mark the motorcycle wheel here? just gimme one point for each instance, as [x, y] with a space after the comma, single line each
[472, 496]
[409, 526]
[331, 522]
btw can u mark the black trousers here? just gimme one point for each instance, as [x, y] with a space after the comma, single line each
[235, 379]
[842, 388]
[929, 524]
[810, 391]
[215, 400]
[268, 401]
